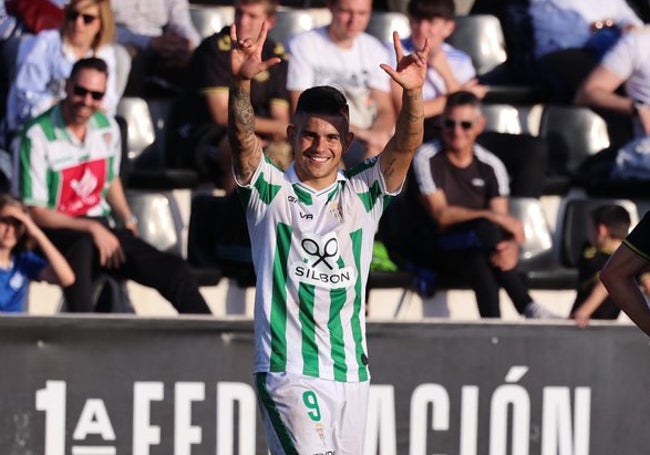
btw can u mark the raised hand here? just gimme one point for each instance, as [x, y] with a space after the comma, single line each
[246, 55]
[411, 70]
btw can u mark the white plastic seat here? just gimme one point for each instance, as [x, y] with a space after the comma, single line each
[290, 22]
[211, 19]
[573, 134]
[383, 23]
[482, 38]
[141, 132]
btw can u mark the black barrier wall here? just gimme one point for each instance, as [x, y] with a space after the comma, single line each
[101, 386]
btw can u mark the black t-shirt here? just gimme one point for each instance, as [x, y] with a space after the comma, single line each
[471, 187]
[590, 264]
[209, 71]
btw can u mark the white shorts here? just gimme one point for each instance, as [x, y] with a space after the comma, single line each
[311, 416]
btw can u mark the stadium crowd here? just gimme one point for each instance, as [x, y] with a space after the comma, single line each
[584, 62]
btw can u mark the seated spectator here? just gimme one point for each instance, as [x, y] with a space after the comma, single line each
[341, 54]
[160, 37]
[620, 274]
[197, 136]
[69, 160]
[18, 263]
[46, 61]
[626, 63]
[611, 224]
[572, 35]
[449, 69]
[459, 223]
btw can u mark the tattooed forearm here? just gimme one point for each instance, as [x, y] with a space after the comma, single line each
[241, 132]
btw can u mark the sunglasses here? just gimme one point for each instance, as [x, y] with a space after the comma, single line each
[72, 16]
[10, 220]
[451, 124]
[83, 91]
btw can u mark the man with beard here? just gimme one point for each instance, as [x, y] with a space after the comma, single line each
[69, 161]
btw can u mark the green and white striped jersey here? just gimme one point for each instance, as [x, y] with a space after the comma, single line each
[312, 252]
[58, 171]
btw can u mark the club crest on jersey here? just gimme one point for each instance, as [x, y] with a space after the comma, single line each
[320, 263]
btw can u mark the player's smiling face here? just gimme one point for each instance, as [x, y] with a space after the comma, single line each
[318, 142]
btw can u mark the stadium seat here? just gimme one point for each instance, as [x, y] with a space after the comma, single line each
[573, 134]
[211, 19]
[482, 38]
[290, 22]
[141, 133]
[383, 23]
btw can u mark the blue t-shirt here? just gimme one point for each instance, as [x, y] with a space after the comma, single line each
[24, 267]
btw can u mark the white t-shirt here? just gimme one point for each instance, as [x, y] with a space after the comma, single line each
[630, 59]
[316, 60]
[460, 64]
[312, 252]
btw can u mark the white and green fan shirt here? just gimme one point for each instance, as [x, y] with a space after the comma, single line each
[312, 252]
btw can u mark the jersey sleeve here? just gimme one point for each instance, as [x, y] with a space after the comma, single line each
[32, 168]
[264, 187]
[639, 239]
[368, 183]
[621, 59]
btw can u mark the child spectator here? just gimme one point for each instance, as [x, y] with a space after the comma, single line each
[18, 264]
[611, 224]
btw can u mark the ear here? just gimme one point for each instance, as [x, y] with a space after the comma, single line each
[291, 133]
[348, 141]
[448, 29]
[480, 124]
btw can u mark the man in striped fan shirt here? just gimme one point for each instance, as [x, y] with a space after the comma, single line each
[312, 229]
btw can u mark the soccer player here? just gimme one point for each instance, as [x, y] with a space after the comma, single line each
[312, 229]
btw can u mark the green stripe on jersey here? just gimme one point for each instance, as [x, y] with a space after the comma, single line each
[266, 190]
[279, 299]
[53, 182]
[306, 299]
[45, 124]
[100, 120]
[26, 166]
[303, 195]
[357, 333]
[337, 298]
[359, 168]
[281, 430]
[371, 197]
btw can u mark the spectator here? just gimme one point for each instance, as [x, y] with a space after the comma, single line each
[198, 134]
[160, 37]
[69, 177]
[619, 275]
[626, 63]
[611, 224]
[341, 54]
[572, 35]
[46, 61]
[449, 69]
[459, 195]
[18, 263]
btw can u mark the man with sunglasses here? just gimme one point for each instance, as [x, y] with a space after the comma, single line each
[459, 193]
[69, 161]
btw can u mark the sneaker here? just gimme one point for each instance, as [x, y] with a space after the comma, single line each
[535, 310]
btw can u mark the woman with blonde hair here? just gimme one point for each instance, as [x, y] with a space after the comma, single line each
[45, 60]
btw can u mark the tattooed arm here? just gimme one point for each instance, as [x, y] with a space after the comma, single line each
[245, 63]
[410, 74]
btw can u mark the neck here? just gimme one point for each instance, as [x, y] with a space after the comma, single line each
[77, 129]
[610, 245]
[345, 43]
[5, 257]
[460, 158]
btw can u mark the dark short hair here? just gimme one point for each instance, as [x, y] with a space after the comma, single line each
[90, 63]
[429, 9]
[614, 217]
[462, 98]
[323, 100]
